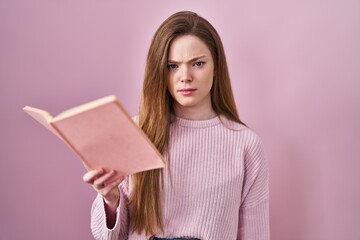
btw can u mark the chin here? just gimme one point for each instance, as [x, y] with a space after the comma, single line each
[186, 104]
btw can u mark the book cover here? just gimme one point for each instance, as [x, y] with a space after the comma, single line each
[103, 135]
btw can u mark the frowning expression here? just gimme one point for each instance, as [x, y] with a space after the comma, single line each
[190, 72]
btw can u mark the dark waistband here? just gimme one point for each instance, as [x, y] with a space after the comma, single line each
[181, 238]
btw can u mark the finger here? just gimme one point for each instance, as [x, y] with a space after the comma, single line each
[107, 190]
[99, 183]
[113, 178]
[90, 176]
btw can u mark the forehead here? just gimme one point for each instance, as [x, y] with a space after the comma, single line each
[187, 47]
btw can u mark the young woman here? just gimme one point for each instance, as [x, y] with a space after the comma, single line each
[215, 183]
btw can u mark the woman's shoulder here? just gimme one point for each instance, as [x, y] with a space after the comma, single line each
[246, 133]
[232, 125]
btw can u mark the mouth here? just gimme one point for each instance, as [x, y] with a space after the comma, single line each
[187, 91]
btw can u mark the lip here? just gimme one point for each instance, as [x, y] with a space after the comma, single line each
[187, 91]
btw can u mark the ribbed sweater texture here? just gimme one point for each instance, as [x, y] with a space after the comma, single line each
[219, 186]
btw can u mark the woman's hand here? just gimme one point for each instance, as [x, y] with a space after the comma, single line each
[106, 185]
[99, 179]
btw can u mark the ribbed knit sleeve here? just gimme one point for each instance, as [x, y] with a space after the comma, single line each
[99, 228]
[254, 209]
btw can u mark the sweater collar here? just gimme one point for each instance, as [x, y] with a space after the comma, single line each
[196, 123]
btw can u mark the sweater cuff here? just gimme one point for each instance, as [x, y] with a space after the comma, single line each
[98, 224]
[254, 221]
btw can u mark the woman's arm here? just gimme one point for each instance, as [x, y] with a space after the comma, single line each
[109, 212]
[254, 209]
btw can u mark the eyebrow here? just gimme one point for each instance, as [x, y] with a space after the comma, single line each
[190, 60]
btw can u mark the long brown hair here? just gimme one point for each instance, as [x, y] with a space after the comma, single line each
[156, 108]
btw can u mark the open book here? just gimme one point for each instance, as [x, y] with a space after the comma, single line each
[103, 134]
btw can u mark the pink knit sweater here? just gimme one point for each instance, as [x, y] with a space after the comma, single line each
[219, 191]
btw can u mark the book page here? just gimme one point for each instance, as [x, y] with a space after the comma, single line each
[43, 117]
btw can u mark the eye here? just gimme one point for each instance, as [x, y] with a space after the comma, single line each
[199, 64]
[172, 66]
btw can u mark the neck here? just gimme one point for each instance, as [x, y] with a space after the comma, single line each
[194, 113]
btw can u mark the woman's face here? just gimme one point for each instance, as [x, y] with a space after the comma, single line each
[190, 73]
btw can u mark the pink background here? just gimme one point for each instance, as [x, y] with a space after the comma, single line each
[295, 68]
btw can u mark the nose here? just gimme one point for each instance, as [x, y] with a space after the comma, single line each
[186, 75]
